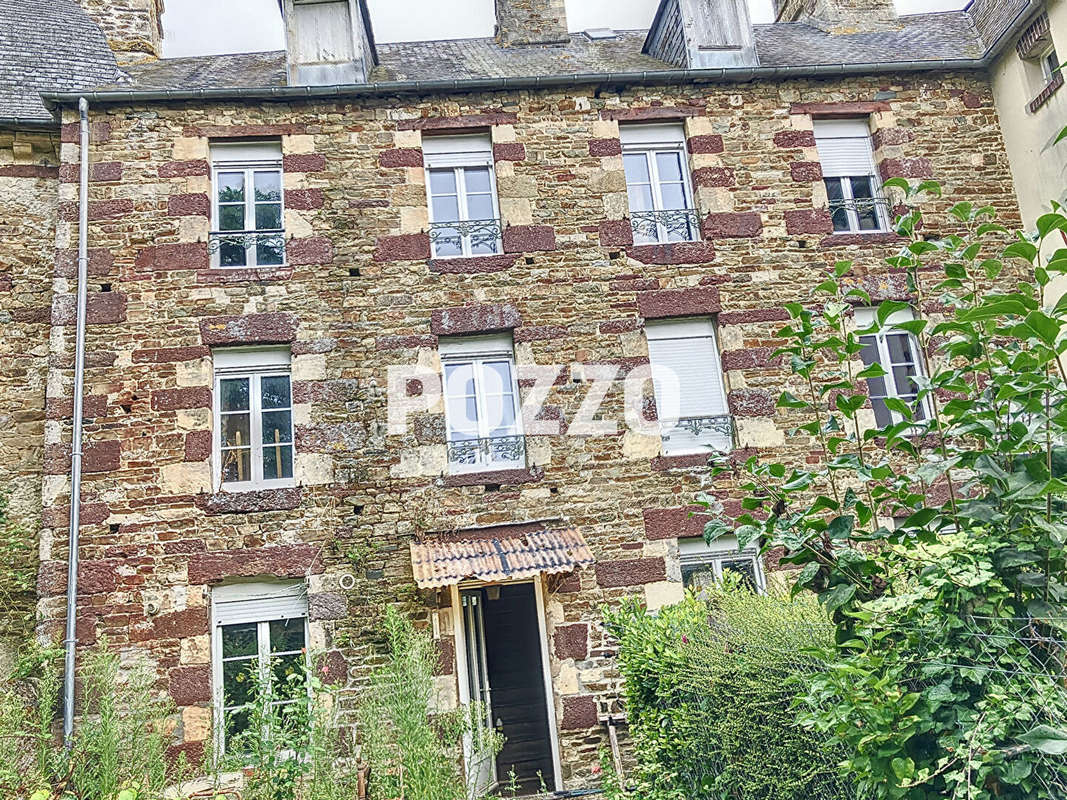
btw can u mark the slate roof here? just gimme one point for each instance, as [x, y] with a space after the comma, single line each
[920, 37]
[48, 45]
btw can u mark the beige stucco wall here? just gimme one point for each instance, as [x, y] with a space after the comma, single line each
[1038, 166]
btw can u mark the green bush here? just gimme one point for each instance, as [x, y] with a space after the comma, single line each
[710, 686]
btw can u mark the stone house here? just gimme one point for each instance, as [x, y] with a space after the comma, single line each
[531, 217]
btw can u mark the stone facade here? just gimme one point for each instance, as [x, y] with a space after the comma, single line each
[134, 28]
[839, 16]
[526, 22]
[360, 293]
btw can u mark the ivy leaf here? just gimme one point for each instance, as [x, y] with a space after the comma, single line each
[903, 768]
[841, 527]
[746, 534]
[838, 596]
[1049, 740]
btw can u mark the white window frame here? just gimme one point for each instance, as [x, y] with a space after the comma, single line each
[479, 351]
[257, 602]
[855, 130]
[460, 153]
[649, 141]
[865, 318]
[696, 553]
[254, 364]
[246, 158]
[1048, 69]
[680, 329]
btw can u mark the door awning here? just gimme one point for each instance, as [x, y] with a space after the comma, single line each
[443, 562]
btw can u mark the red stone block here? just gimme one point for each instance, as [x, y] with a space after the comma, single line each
[890, 136]
[404, 342]
[753, 315]
[190, 685]
[707, 143]
[674, 523]
[309, 162]
[98, 210]
[509, 151]
[616, 233]
[791, 139]
[32, 171]
[529, 238]
[333, 668]
[99, 132]
[605, 147]
[184, 169]
[843, 108]
[679, 302]
[752, 403]
[906, 168]
[733, 225]
[93, 405]
[312, 251]
[475, 265]
[284, 561]
[176, 625]
[540, 333]
[579, 712]
[650, 114]
[193, 255]
[750, 358]
[197, 445]
[632, 572]
[242, 131]
[401, 157]
[101, 456]
[713, 176]
[673, 253]
[168, 355]
[100, 262]
[474, 319]
[800, 221]
[88, 513]
[404, 247]
[189, 205]
[304, 199]
[572, 641]
[186, 397]
[274, 327]
[100, 172]
[806, 171]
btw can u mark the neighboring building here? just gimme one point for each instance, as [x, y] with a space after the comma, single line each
[262, 251]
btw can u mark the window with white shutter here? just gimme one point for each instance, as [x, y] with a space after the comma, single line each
[897, 353]
[690, 394]
[851, 176]
[461, 184]
[259, 639]
[482, 404]
[657, 184]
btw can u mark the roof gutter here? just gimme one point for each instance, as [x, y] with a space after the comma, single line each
[654, 77]
[28, 124]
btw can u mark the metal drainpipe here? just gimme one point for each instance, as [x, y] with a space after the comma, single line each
[76, 436]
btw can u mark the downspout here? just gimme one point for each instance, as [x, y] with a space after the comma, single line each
[76, 435]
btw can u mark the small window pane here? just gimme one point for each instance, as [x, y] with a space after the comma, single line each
[268, 187]
[442, 181]
[287, 635]
[899, 346]
[477, 180]
[277, 427]
[236, 466]
[275, 391]
[497, 377]
[239, 640]
[288, 677]
[277, 462]
[231, 218]
[463, 415]
[236, 725]
[673, 195]
[231, 187]
[235, 430]
[447, 242]
[882, 415]
[459, 380]
[902, 379]
[640, 198]
[743, 567]
[838, 212]
[480, 206]
[234, 394]
[270, 250]
[268, 217]
[636, 165]
[238, 682]
[232, 254]
[500, 415]
[446, 208]
[670, 166]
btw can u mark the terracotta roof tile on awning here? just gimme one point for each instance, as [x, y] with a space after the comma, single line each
[445, 562]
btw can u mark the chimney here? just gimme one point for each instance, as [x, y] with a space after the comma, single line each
[839, 16]
[526, 22]
[702, 33]
[328, 42]
[133, 28]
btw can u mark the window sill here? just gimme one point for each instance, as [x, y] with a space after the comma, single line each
[1046, 94]
[845, 239]
[498, 477]
[221, 275]
[250, 501]
[471, 265]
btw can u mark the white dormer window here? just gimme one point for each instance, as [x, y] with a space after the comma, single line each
[482, 404]
[851, 176]
[248, 228]
[657, 184]
[461, 184]
[897, 352]
[690, 394]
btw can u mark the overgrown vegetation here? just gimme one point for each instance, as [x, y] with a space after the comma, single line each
[945, 675]
[710, 688]
[18, 551]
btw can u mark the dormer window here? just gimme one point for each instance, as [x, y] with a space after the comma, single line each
[461, 184]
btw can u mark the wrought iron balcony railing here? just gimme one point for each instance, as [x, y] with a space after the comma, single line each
[671, 225]
[717, 428]
[269, 246]
[487, 451]
[481, 236]
[875, 211]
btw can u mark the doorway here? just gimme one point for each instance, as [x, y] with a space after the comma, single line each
[505, 672]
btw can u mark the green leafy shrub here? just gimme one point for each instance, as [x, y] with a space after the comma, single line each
[413, 752]
[710, 685]
[946, 674]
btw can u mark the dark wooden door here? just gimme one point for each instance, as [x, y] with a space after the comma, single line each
[513, 647]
